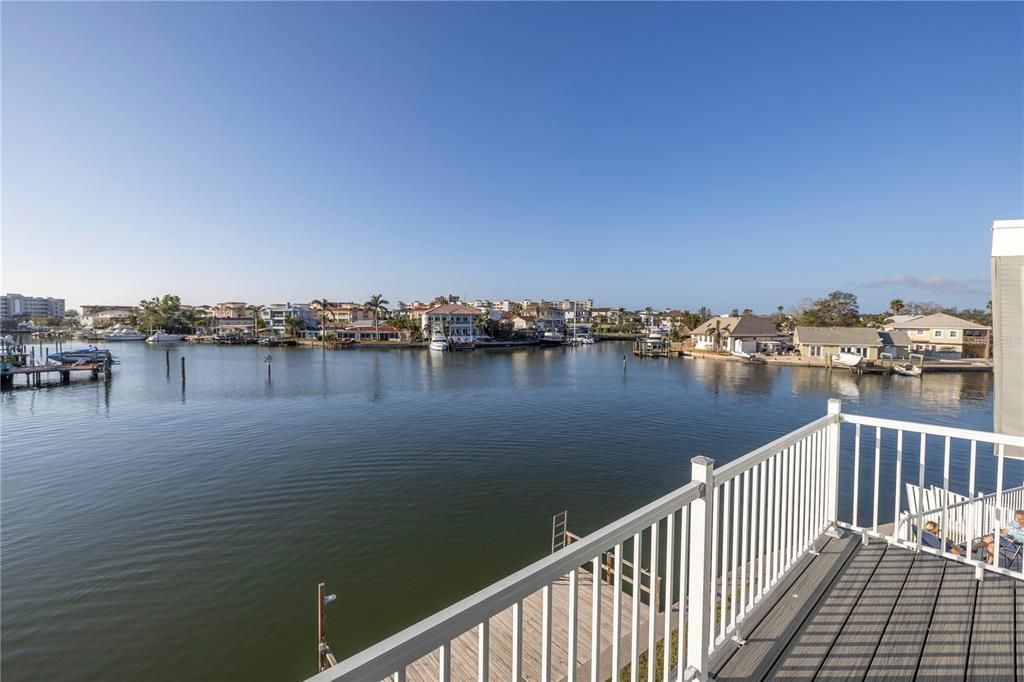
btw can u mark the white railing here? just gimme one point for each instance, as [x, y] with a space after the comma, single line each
[722, 548]
[972, 453]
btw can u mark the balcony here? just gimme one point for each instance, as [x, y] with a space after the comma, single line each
[805, 558]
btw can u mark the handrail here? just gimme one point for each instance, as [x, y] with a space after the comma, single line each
[380, 660]
[935, 430]
[751, 459]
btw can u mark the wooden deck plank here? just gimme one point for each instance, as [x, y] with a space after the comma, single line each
[949, 634]
[1019, 627]
[991, 655]
[767, 641]
[815, 637]
[853, 650]
[903, 640]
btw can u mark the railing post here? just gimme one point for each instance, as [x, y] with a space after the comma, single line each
[835, 407]
[698, 608]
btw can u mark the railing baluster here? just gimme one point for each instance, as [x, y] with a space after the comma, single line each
[999, 499]
[400, 675]
[733, 605]
[920, 490]
[762, 547]
[545, 635]
[652, 604]
[899, 483]
[943, 529]
[517, 642]
[723, 610]
[617, 612]
[634, 628]
[670, 560]
[444, 654]
[483, 650]
[787, 508]
[747, 519]
[773, 487]
[684, 574]
[572, 625]
[595, 622]
[856, 476]
[878, 469]
[713, 576]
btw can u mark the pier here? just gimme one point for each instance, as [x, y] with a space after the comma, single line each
[40, 375]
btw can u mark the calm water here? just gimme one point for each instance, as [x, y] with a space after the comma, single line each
[168, 534]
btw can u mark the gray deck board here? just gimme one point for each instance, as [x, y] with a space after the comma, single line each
[948, 640]
[855, 647]
[1019, 627]
[812, 642]
[992, 638]
[767, 641]
[903, 640]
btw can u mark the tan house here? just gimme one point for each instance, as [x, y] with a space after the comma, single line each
[945, 335]
[869, 343]
[747, 334]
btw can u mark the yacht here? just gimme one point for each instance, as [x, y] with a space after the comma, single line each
[552, 338]
[160, 336]
[122, 332]
[438, 341]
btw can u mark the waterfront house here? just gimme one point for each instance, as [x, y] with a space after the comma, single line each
[232, 325]
[275, 316]
[746, 334]
[382, 332]
[458, 321]
[523, 322]
[869, 343]
[104, 316]
[944, 335]
[230, 309]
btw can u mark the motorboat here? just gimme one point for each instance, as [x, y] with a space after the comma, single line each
[82, 356]
[552, 338]
[438, 341]
[907, 369]
[124, 333]
[160, 336]
[848, 359]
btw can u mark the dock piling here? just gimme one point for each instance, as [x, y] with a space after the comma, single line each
[183, 371]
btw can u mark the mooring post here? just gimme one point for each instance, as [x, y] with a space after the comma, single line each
[623, 362]
[107, 362]
[182, 371]
[167, 357]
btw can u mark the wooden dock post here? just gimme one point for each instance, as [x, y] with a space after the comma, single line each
[107, 362]
[167, 357]
[183, 371]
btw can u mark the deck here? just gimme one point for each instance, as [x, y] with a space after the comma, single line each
[881, 612]
[464, 647]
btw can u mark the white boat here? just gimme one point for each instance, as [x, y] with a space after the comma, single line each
[741, 354]
[160, 336]
[586, 340]
[124, 333]
[907, 370]
[848, 359]
[552, 338]
[438, 341]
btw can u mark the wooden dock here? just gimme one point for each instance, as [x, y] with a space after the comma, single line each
[464, 648]
[882, 612]
[40, 375]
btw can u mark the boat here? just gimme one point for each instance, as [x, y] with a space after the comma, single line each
[438, 341]
[552, 338]
[907, 369]
[82, 356]
[741, 354]
[848, 359]
[586, 340]
[160, 336]
[124, 333]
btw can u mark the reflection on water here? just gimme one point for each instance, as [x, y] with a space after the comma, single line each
[195, 521]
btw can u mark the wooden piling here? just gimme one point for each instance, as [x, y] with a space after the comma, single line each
[167, 357]
[183, 371]
[321, 624]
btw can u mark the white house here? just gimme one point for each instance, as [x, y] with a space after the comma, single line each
[275, 316]
[457, 321]
[747, 334]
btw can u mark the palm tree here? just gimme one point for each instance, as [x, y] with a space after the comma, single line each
[293, 324]
[896, 306]
[323, 304]
[257, 319]
[378, 304]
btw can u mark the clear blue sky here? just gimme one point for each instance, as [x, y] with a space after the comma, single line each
[728, 155]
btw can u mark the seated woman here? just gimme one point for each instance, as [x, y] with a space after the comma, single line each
[931, 528]
[1009, 537]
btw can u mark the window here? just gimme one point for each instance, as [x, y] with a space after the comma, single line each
[815, 351]
[937, 333]
[952, 333]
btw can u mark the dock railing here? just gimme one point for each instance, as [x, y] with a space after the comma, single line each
[723, 548]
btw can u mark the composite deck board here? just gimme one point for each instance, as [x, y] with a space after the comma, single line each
[903, 640]
[767, 641]
[813, 640]
[464, 647]
[948, 639]
[855, 647]
[991, 656]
